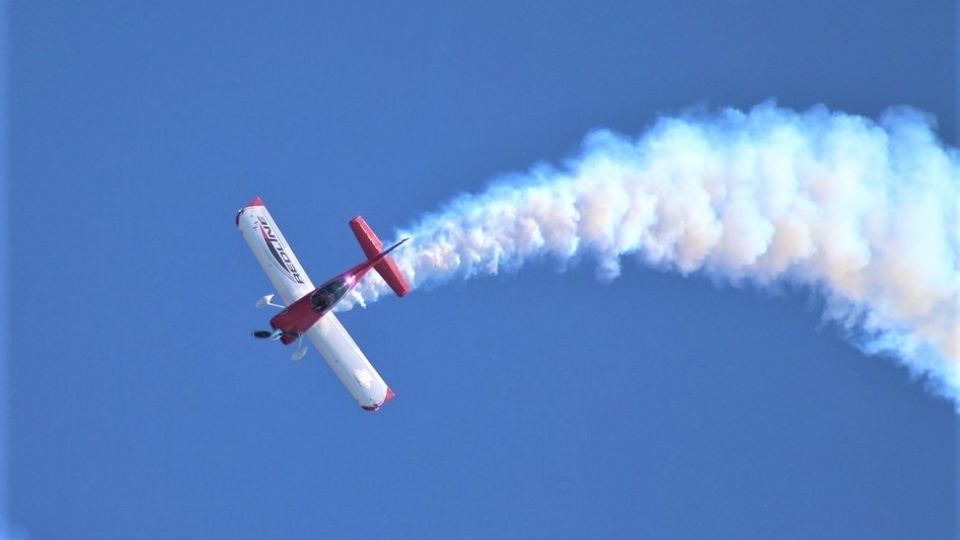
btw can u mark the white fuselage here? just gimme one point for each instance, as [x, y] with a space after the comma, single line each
[327, 335]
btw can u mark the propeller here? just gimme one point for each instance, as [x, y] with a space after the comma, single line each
[267, 334]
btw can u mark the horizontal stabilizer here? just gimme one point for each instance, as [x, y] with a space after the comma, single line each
[372, 246]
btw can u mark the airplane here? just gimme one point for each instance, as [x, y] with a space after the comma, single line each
[308, 310]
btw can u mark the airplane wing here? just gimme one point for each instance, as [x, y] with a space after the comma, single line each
[291, 281]
[349, 363]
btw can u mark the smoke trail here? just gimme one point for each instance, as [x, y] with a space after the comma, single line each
[865, 213]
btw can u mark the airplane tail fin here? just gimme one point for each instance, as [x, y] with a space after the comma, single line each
[372, 248]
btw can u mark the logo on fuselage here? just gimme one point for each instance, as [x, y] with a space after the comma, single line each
[278, 251]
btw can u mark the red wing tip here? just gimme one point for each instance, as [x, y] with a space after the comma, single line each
[357, 219]
[374, 408]
[255, 202]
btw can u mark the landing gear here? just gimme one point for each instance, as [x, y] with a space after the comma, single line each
[300, 352]
[267, 301]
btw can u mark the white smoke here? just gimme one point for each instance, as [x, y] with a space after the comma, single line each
[865, 213]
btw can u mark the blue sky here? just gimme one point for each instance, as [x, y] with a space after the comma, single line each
[531, 405]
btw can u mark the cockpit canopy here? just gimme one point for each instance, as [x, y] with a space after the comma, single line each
[324, 298]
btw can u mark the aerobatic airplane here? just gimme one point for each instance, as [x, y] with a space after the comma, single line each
[308, 308]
